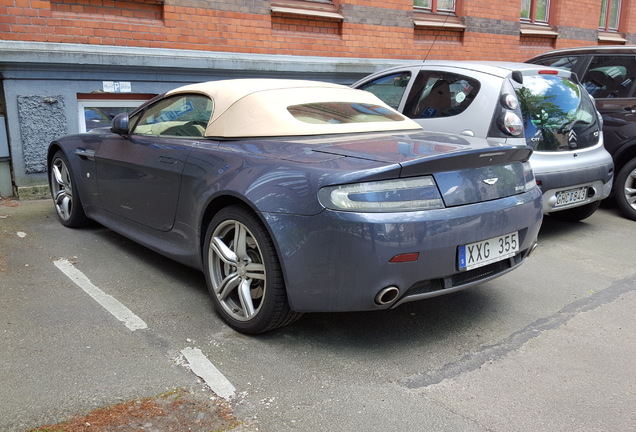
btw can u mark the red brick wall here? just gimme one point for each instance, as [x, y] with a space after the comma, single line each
[579, 13]
[173, 24]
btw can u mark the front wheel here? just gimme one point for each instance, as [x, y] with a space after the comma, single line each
[625, 189]
[68, 205]
[243, 273]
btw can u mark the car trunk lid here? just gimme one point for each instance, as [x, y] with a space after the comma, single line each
[466, 169]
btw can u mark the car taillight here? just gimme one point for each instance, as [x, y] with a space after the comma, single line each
[386, 196]
[509, 101]
[510, 121]
[507, 120]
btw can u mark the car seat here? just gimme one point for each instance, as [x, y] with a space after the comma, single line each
[437, 102]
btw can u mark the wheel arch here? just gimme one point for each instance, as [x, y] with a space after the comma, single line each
[74, 213]
[219, 202]
[54, 147]
[626, 153]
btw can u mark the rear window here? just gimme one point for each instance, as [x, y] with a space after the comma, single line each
[558, 114]
[342, 112]
[567, 62]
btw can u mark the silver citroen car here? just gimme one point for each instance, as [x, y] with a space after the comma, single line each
[516, 104]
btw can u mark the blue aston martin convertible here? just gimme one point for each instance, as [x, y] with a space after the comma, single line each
[298, 196]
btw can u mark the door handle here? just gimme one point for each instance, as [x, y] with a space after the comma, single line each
[85, 154]
[167, 160]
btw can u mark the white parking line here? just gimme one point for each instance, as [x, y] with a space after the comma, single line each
[202, 367]
[108, 302]
[197, 361]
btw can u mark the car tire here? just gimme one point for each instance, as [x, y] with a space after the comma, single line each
[243, 273]
[577, 214]
[68, 205]
[625, 189]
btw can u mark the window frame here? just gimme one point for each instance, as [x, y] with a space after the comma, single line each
[105, 102]
[434, 19]
[435, 10]
[308, 8]
[532, 19]
[608, 16]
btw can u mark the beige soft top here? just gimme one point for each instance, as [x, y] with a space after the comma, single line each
[258, 107]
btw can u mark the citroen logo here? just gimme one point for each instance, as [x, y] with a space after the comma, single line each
[572, 139]
[491, 181]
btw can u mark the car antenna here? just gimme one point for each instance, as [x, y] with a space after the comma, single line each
[435, 39]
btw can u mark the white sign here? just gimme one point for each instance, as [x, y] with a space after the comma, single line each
[117, 86]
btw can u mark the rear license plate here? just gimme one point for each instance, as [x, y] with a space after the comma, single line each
[485, 252]
[571, 196]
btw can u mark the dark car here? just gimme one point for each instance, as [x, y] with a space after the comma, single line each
[609, 75]
[299, 196]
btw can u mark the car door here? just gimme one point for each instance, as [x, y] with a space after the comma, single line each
[139, 174]
[611, 79]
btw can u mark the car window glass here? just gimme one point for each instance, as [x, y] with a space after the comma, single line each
[610, 76]
[389, 88]
[440, 94]
[567, 62]
[342, 112]
[184, 115]
[558, 114]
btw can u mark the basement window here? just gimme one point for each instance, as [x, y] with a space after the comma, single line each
[98, 110]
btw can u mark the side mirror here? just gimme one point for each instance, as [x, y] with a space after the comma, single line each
[120, 124]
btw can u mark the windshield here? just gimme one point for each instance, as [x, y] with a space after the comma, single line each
[558, 114]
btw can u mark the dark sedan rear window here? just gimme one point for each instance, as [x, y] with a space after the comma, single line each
[558, 114]
[567, 62]
[610, 76]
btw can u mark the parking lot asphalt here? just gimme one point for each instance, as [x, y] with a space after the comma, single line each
[549, 347]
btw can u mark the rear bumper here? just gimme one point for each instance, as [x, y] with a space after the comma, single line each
[596, 191]
[339, 261]
[558, 172]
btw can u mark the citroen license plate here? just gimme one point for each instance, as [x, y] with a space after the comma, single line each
[485, 252]
[571, 196]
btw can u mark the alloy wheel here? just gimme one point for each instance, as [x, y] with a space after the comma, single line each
[237, 270]
[630, 189]
[62, 189]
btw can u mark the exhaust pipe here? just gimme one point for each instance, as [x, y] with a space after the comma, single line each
[387, 295]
